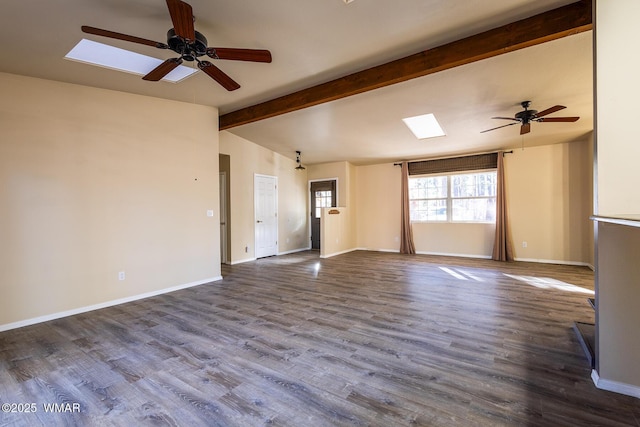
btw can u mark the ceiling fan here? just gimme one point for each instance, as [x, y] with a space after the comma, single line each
[524, 118]
[184, 40]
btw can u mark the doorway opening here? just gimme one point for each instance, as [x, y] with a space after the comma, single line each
[224, 162]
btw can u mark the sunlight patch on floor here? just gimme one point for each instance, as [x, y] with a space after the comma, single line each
[460, 274]
[289, 259]
[316, 269]
[548, 283]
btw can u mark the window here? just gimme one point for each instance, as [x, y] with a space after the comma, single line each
[323, 200]
[468, 197]
[428, 198]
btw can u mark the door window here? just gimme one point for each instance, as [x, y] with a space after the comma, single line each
[324, 199]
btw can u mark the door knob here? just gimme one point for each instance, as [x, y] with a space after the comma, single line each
[258, 221]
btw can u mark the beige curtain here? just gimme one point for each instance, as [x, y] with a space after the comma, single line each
[502, 247]
[406, 233]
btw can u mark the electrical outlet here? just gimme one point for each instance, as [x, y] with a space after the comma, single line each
[524, 244]
[121, 275]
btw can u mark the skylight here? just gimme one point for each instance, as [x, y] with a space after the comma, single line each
[102, 55]
[424, 126]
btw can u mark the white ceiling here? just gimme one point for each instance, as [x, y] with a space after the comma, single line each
[314, 41]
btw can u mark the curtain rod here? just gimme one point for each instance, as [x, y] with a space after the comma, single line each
[453, 157]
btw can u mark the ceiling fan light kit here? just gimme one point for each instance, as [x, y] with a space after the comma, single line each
[299, 162]
[191, 45]
[526, 117]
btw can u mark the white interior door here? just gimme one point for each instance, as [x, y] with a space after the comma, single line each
[224, 257]
[266, 215]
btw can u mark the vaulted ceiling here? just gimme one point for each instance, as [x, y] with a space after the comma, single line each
[318, 41]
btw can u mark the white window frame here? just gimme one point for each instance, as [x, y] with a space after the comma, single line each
[450, 198]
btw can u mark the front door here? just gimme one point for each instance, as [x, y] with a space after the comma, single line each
[266, 215]
[323, 195]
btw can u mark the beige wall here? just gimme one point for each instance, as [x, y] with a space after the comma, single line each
[618, 174]
[549, 191]
[248, 159]
[336, 232]
[337, 170]
[458, 239]
[340, 233]
[378, 212]
[618, 92]
[378, 221]
[619, 317]
[94, 182]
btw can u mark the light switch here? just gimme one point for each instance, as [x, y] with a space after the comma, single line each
[209, 213]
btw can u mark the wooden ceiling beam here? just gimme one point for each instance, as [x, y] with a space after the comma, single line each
[554, 24]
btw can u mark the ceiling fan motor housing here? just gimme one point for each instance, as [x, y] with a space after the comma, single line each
[526, 116]
[188, 51]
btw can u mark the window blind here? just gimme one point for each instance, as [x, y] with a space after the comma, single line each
[454, 164]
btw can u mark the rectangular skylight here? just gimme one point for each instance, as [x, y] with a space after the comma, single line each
[103, 55]
[424, 126]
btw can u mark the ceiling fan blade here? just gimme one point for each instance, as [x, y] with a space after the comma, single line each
[488, 130]
[550, 110]
[506, 118]
[558, 119]
[218, 75]
[162, 70]
[120, 36]
[182, 18]
[525, 128]
[252, 55]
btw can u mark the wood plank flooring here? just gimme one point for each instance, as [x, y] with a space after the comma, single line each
[361, 339]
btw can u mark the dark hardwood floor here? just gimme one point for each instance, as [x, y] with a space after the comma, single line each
[364, 338]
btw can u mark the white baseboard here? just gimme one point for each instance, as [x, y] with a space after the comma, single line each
[555, 261]
[61, 314]
[455, 255]
[542, 261]
[338, 253]
[378, 250]
[615, 386]
[429, 253]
